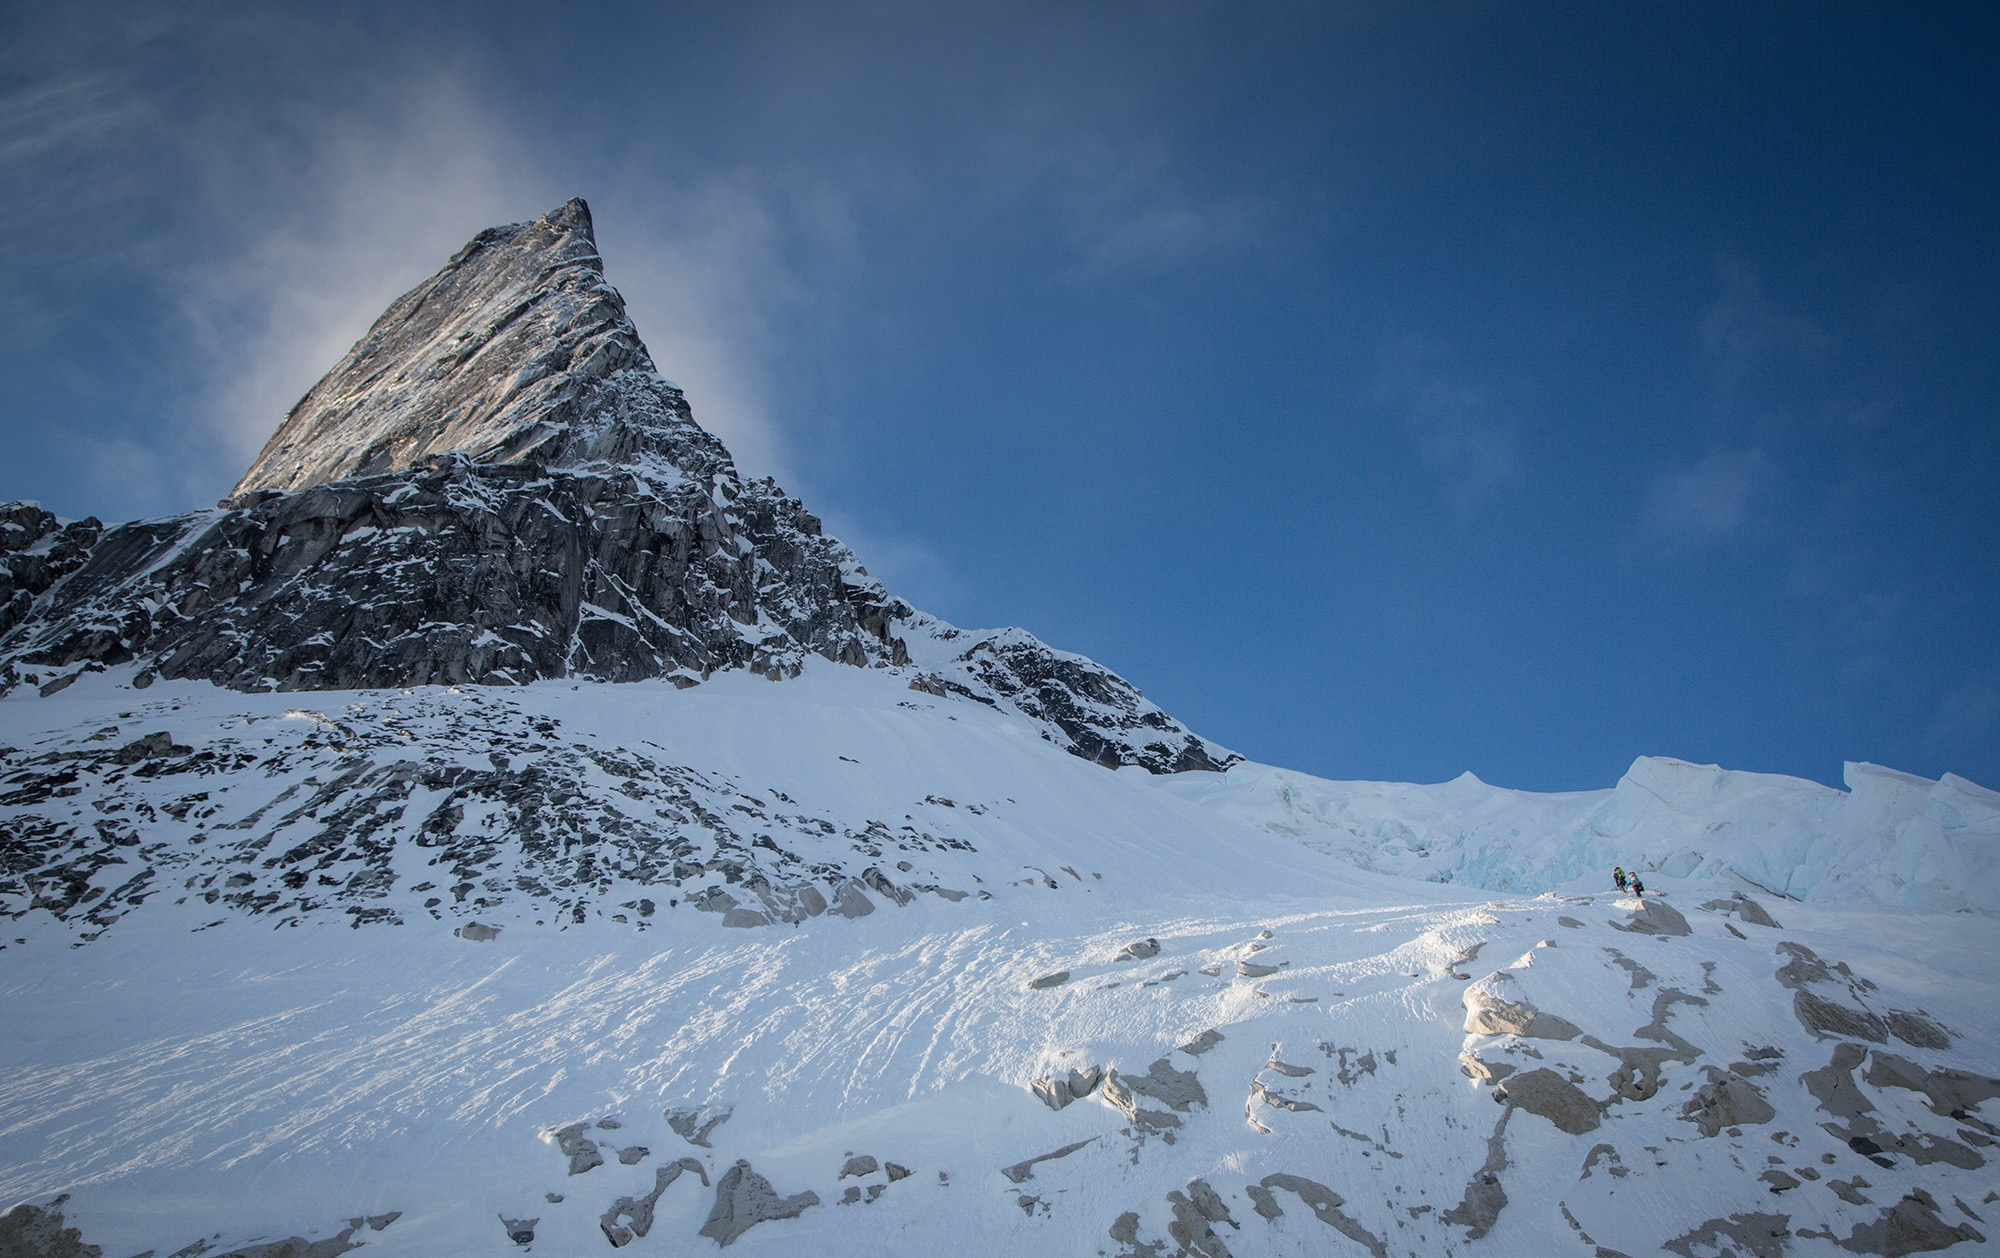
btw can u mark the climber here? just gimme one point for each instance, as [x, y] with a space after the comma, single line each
[1618, 876]
[1638, 888]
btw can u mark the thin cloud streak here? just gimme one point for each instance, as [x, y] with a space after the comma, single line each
[268, 238]
[1745, 341]
[711, 273]
[379, 201]
[1969, 712]
[1693, 507]
[1116, 198]
[274, 219]
[1745, 335]
[1461, 432]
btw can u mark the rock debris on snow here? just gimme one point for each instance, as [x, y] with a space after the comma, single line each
[1546, 1094]
[694, 1125]
[743, 1199]
[1021, 1172]
[633, 1216]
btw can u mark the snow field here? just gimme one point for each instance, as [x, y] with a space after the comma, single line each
[247, 1081]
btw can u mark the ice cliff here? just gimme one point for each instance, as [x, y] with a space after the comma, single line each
[1890, 838]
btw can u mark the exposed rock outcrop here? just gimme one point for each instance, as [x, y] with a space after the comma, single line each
[1726, 1101]
[1484, 1198]
[36, 551]
[467, 572]
[743, 1199]
[1021, 1172]
[1910, 1226]
[1494, 1006]
[1655, 917]
[1176, 1089]
[32, 1231]
[498, 355]
[633, 1216]
[1324, 1203]
[1548, 1094]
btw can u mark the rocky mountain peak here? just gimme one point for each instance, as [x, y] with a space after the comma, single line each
[504, 353]
[494, 487]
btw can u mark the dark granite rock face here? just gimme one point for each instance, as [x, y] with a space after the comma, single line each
[495, 487]
[1101, 716]
[469, 573]
[36, 551]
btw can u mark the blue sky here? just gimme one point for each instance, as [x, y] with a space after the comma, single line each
[1388, 391]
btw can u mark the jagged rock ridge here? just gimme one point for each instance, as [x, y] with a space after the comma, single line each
[36, 551]
[495, 487]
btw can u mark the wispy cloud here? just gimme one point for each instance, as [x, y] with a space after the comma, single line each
[1159, 234]
[711, 271]
[1116, 194]
[267, 225]
[906, 565]
[707, 269]
[1745, 335]
[274, 215]
[1691, 507]
[1747, 345]
[378, 196]
[1462, 432]
[65, 114]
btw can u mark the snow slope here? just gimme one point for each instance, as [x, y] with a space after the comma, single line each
[1307, 1064]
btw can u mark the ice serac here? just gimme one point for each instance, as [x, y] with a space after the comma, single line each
[495, 486]
[1890, 838]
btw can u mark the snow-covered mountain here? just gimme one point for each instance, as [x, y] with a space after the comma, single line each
[496, 486]
[501, 828]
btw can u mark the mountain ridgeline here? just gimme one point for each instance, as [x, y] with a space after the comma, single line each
[496, 486]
